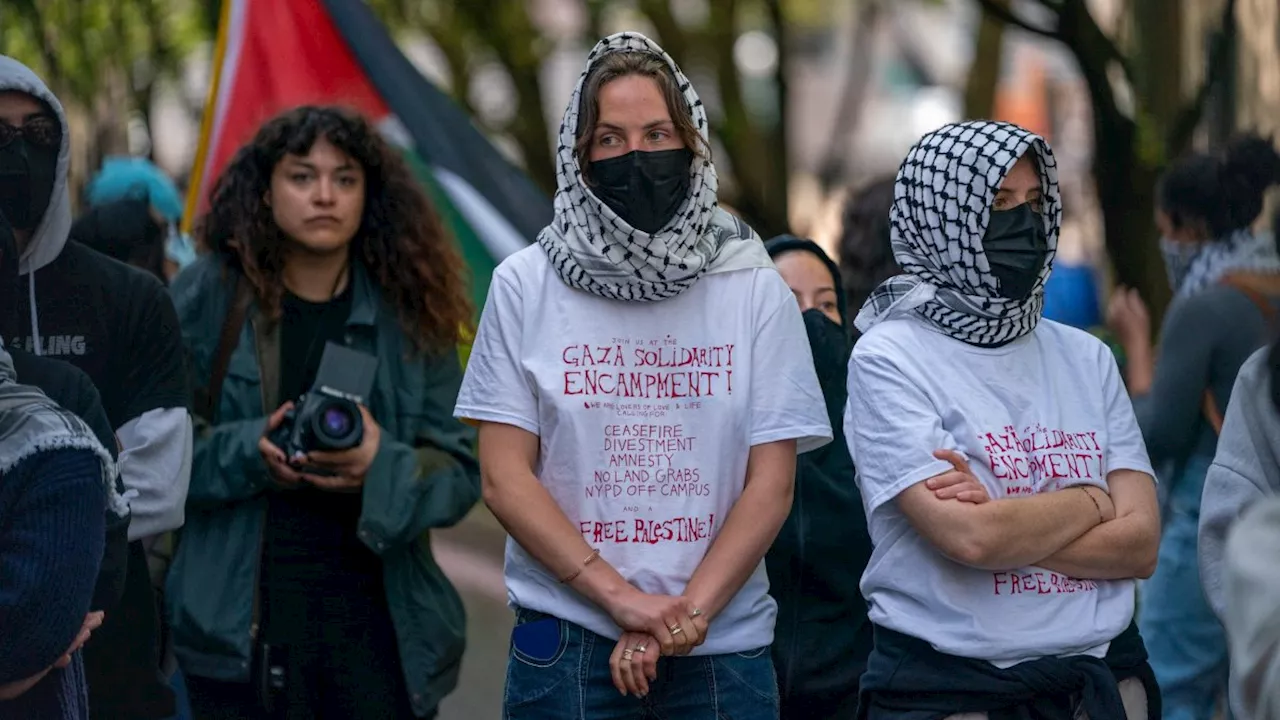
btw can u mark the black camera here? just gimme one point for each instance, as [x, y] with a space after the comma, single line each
[327, 417]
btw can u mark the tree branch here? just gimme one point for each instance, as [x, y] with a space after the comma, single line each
[1219, 57]
[1007, 16]
[1093, 34]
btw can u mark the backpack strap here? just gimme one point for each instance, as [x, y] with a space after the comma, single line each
[1272, 318]
[208, 397]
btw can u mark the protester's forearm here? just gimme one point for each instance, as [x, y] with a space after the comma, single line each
[11, 690]
[748, 531]
[534, 520]
[1116, 550]
[1020, 532]
[1140, 367]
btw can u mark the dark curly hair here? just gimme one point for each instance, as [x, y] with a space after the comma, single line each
[401, 240]
[1223, 191]
[866, 255]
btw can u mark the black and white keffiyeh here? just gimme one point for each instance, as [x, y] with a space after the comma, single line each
[1242, 251]
[594, 250]
[31, 423]
[941, 206]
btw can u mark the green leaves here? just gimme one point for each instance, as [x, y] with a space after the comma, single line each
[74, 43]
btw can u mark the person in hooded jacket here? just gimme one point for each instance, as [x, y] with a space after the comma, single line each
[1008, 492]
[822, 637]
[1239, 530]
[118, 325]
[68, 386]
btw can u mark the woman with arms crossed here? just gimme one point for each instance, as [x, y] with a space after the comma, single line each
[959, 391]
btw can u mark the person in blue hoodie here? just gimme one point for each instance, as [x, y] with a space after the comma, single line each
[822, 637]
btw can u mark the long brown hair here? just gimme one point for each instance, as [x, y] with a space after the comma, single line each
[401, 240]
[617, 65]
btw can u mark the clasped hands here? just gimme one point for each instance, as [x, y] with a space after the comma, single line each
[961, 484]
[348, 467]
[652, 625]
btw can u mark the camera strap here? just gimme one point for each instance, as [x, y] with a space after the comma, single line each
[207, 399]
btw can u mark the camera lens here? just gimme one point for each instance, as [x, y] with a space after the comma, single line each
[336, 424]
[337, 421]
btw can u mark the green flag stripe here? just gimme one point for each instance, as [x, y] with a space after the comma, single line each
[480, 263]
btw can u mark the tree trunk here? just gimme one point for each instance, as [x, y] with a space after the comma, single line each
[834, 168]
[1124, 180]
[506, 26]
[1157, 61]
[984, 72]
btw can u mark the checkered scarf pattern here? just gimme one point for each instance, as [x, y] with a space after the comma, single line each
[1241, 251]
[941, 206]
[594, 250]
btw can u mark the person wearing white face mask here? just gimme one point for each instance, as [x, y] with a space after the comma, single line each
[1226, 282]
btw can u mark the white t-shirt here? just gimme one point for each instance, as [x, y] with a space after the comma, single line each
[646, 414]
[1044, 412]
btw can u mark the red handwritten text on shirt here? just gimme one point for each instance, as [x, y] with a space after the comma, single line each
[1039, 582]
[653, 372]
[649, 532]
[1038, 454]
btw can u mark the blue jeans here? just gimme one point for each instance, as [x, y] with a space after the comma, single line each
[564, 675]
[1185, 640]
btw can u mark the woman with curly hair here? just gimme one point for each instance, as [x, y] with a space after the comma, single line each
[304, 586]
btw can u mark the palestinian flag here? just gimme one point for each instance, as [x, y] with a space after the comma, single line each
[275, 54]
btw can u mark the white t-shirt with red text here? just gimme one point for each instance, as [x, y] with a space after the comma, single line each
[646, 414]
[1045, 412]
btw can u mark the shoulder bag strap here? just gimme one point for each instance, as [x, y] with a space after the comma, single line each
[241, 299]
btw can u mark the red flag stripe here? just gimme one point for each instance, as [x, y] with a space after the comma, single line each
[278, 54]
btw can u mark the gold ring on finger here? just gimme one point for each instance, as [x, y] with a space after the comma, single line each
[676, 629]
[641, 648]
[626, 654]
[696, 612]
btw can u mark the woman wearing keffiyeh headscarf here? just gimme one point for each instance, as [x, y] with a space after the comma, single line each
[1226, 282]
[643, 382]
[1008, 494]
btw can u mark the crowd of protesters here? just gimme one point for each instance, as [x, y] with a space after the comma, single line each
[739, 478]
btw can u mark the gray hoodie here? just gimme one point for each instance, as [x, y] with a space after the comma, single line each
[1245, 470]
[51, 235]
[155, 458]
[1252, 592]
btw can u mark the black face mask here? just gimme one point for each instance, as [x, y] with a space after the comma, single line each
[644, 188]
[1016, 247]
[8, 281]
[830, 345]
[27, 175]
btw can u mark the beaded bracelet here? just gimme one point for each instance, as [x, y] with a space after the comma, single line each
[595, 553]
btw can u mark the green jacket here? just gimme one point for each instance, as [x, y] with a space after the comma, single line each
[424, 476]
